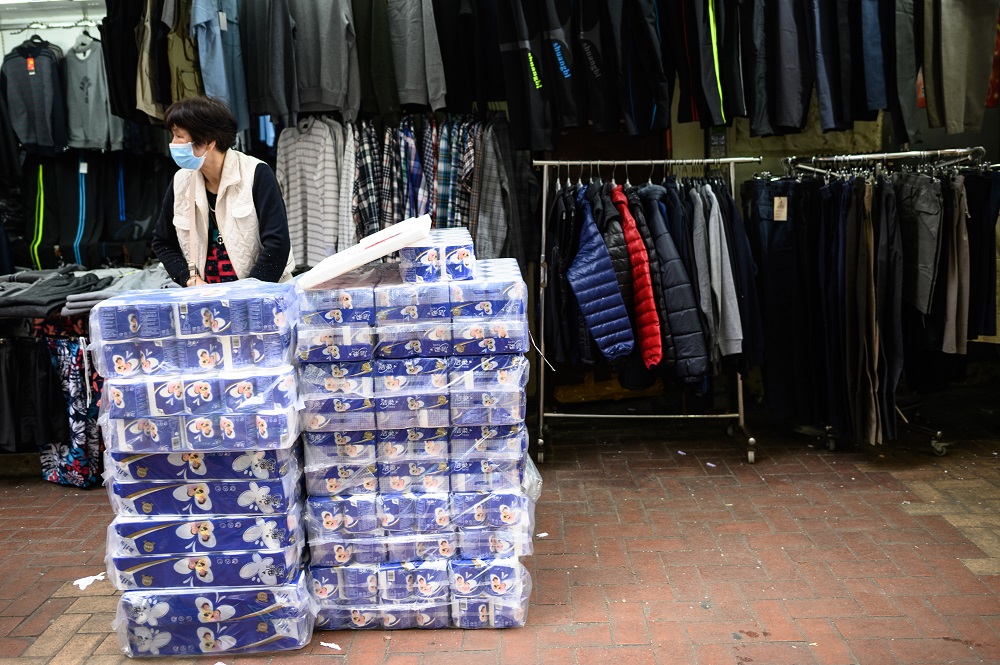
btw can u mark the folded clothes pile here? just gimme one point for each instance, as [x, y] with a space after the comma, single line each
[127, 280]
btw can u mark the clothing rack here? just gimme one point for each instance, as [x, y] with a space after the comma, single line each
[546, 166]
[953, 156]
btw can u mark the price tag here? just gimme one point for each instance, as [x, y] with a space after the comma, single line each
[223, 25]
[31, 66]
[83, 167]
[781, 208]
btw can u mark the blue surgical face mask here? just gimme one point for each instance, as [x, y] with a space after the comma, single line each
[184, 157]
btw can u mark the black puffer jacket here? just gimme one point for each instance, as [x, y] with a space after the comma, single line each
[635, 207]
[610, 225]
[685, 323]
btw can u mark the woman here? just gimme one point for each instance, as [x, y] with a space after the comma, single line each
[223, 219]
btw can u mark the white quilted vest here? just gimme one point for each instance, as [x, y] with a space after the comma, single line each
[234, 212]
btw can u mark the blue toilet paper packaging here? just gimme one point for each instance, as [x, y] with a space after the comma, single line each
[410, 340]
[432, 512]
[167, 397]
[476, 336]
[201, 355]
[238, 352]
[260, 464]
[206, 569]
[218, 640]
[159, 356]
[340, 616]
[437, 546]
[402, 546]
[345, 550]
[493, 407]
[408, 581]
[348, 454]
[470, 509]
[125, 398]
[396, 302]
[487, 542]
[396, 512]
[203, 396]
[114, 320]
[501, 372]
[324, 516]
[445, 254]
[414, 475]
[412, 375]
[486, 475]
[487, 297]
[345, 342]
[475, 578]
[209, 314]
[119, 359]
[140, 536]
[428, 410]
[196, 607]
[148, 435]
[360, 514]
[349, 298]
[474, 441]
[341, 479]
[270, 349]
[324, 380]
[156, 320]
[207, 497]
[338, 414]
[359, 581]
[471, 613]
[413, 442]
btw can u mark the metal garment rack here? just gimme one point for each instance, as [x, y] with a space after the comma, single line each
[549, 165]
[953, 156]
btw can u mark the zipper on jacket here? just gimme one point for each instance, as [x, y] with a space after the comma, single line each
[39, 219]
[82, 215]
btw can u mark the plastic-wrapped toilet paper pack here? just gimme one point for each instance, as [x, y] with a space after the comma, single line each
[503, 295]
[238, 308]
[206, 569]
[477, 336]
[411, 393]
[203, 497]
[341, 615]
[344, 379]
[399, 302]
[233, 637]
[329, 343]
[229, 392]
[341, 479]
[326, 449]
[136, 536]
[488, 407]
[230, 465]
[217, 606]
[410, 340]
[413, 442]
[501, 372]
[478, 440]
[414, 475]
[347, 299]
[486, 475]
[447, 254]
[413, 375]
[337, 414]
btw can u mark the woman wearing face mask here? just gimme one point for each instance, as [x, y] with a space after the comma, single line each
[223, 218]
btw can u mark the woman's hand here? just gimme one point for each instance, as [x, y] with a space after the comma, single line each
[196, 281]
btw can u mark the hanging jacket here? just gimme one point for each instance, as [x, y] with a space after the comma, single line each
[597, 57]
[592, 278]
[666, 339]
[522, 51]
[647, 322]
[644, 89]
[563, 71]
[610, 226]
[685, 324]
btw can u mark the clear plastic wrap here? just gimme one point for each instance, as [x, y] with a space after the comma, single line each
[347, 299]
[396, 444]
[136, 536]
[496, 335]
[448, 254]
[228, 392]
[399, 302]
[218, 432]
[203, 329]
[259, 464]
[482, 593]
[238, 620]
[410, 340]
[332, 343]
[319, 381]
[258, 567]
[500, 295]
[336, 414]
[204, 497]
[411, 393]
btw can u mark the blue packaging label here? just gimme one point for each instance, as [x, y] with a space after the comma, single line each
[117, 322]
[156, 321]
[159, 356]
[122, 359]
[143, 536]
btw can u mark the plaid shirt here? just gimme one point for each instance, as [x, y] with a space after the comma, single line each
[458, 137]
[346, 229]
[492, 196]
[473, 157]
[367, 179]
[467, 159]
[390, 199]
[412, 174]
[428, 160]
[442, 181]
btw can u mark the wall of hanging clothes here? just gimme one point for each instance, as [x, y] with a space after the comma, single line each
[343, 181]
[869, 276]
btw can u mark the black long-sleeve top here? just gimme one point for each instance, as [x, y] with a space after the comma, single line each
[272, 227]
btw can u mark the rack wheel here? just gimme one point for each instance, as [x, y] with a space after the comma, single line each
[940, 448]
[541, 451]
[750, 457]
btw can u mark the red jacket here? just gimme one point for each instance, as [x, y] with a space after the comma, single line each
[647, 323]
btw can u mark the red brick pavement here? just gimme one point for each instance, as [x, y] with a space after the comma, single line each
[652, 556]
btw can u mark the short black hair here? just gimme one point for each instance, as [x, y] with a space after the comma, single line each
[206, 119]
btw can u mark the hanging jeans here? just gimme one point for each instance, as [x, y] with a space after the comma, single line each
[920, 205]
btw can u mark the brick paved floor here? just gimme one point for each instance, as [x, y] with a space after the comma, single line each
[653, 556]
